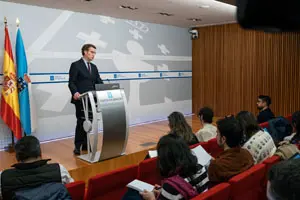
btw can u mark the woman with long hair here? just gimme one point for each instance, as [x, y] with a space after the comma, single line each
[258, 142]
[183, 177]
[248, 123]
[179, 126]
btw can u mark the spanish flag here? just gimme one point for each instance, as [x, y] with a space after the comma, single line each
[10, 111]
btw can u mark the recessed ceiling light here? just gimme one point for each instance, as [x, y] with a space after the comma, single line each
[195, 19]
[166, 14]
[128, 7]
[204, 6]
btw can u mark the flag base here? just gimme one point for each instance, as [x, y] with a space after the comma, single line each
[9, 148]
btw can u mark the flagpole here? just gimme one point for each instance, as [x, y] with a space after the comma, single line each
[10, 147]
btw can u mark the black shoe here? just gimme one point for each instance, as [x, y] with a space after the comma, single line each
[76, 151]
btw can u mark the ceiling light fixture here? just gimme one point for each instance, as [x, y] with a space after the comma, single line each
[128, 7]
[204, 6]
[195, 19]
[166, 14]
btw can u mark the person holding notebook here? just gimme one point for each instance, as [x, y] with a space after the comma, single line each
[183, 177]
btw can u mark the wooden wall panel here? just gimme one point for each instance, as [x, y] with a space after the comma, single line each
[232, 66]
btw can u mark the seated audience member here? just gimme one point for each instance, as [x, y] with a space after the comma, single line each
[265, 114]
[258, 142]
[183, 177]
[179, 126]
[208, 131]
[295, 137]
[32, 171]
[284, 181]
[234, 159]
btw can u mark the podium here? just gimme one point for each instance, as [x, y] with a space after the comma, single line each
[107, 106]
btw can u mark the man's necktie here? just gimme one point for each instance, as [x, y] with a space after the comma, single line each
[89, 67]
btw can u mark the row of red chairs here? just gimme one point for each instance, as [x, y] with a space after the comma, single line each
[112, 185]
[249, 185]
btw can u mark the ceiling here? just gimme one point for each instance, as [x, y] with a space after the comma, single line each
[209, 11]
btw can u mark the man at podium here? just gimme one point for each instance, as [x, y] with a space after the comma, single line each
[83, 75]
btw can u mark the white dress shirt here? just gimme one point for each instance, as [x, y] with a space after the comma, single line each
[208, 132]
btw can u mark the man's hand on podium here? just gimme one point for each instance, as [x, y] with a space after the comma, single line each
[76, 96]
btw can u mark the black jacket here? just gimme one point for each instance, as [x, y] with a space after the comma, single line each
[265, 116]
[28, 176]
[81, 80]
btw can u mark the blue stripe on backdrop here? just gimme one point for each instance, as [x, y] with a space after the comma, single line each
[106, 80]
[62, 77]
[123, 72]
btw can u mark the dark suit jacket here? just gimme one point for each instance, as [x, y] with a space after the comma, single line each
[265, 116]
[81, 80]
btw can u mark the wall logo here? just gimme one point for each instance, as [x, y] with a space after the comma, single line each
[58, 78]
[109, 95]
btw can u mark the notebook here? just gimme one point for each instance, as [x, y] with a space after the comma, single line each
[152, 153]
[140, 186]
[202, 156]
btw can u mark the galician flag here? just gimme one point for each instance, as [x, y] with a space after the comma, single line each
[23, 81]
[10, 111]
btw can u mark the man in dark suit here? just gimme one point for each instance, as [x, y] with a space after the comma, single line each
[83, 76]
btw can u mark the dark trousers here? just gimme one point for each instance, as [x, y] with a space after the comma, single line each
[80, 134]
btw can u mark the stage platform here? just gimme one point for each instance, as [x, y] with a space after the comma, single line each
[141, 139]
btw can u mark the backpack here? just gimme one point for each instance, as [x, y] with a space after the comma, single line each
[183, 187]
[49, 191]
[286, 151]
[279, 128]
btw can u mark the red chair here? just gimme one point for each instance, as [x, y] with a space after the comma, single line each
[76, 190]
[205, 146]
[268, 163]
[219, 192]
[148, 172]
[214, 148]
[264, 125]
[111, 185]
[248, 185]
[289, 117]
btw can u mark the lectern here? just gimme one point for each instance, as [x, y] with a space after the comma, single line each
[107, 106]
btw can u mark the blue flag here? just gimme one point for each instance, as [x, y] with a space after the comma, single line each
[23, 80]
